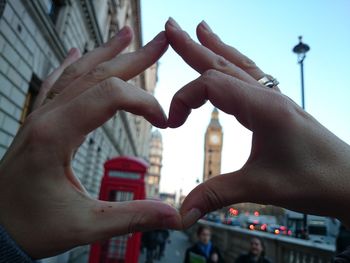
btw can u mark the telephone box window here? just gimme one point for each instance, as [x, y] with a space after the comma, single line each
[126, 175]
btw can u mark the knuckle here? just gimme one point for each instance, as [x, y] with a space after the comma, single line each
[106, 92]
[211, 198]
[71, 71]
[106, 89]
[136, 223]
[98, 73]
[247, 63]
[288, 111]
[210, 74]
[221, 63]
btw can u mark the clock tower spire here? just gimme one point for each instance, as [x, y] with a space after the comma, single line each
[213, 147]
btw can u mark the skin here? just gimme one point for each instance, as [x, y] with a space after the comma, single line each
[205, 236]
[43, 205]
[256, 247]
[295, 162]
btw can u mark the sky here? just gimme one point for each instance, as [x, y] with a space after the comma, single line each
[265, 31]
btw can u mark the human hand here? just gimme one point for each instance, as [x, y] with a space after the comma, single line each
[295, 162]
[214, 257]
[43, 205]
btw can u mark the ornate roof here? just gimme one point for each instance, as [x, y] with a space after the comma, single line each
[214, 122]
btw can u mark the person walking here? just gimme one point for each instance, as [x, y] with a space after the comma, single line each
[203, 251]
[256, 253]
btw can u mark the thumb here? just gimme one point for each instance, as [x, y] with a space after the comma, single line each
[217, 192]
[118, 218]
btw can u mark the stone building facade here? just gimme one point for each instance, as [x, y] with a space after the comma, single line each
[35, 36]
[155, 162]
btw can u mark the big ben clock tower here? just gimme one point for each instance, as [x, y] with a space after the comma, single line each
[213, 147]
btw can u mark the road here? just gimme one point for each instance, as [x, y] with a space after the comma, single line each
[174, 251]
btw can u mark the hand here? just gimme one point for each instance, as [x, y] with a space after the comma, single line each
[43, 205]
[214, 257]
[295, 162]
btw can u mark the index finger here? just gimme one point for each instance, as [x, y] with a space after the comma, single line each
[200, 57]
[210, 40]
[248, 103]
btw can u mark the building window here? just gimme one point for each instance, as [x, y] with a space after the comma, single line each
[2, 7]
[55, 7]
[32, 93]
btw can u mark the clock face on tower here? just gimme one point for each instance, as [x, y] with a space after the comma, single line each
[214, 139]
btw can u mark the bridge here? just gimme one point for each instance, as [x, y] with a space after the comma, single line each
[282, 249]
[234, 241]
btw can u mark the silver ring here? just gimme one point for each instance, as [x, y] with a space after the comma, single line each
[268, 81]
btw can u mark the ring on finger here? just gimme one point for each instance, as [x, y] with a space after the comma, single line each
[268, 81]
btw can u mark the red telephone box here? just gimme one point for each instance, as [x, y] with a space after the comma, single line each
[123, 180]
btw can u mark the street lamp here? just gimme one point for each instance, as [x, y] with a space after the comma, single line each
[301, 49]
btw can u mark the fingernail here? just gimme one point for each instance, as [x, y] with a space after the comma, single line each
[206, 27]
[71, 51]
[173, 23]
[160, 38]
[125, 31]
[191, 217]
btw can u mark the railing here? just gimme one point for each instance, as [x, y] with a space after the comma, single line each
[234, 241]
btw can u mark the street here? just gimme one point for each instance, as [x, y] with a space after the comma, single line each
[174, 251]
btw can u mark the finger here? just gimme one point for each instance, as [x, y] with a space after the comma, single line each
[95, 106]
[72, 56]
[125, 67]
[199, 57]
[210, 40]
[131, 217]
[91, 59]
[246, 102]
[213, 194]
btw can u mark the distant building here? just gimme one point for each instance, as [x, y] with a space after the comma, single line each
[155, 161]
[35, 36]
[213, 147]
[168, 198]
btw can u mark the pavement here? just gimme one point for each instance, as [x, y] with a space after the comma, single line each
[174, 251]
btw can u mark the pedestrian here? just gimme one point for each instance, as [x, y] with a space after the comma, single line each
[256, 252]
[162, 239]
[203, 251]
[150, 243]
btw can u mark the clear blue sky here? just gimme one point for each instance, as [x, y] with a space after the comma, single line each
[266, 31]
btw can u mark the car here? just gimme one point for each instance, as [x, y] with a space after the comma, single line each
[212, 217]
[232, 221]
[279, 230]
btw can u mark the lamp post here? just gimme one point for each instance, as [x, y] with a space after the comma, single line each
[301, 49]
